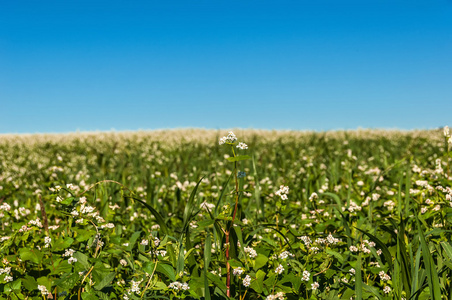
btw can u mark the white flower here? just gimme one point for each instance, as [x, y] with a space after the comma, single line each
[384, 276]
[71, 260]
[251, 252]
[446, 131]
[313, 197]
[43, 290]
[282, 192]
[247, 281]
[47, 241]
[176, 285]
[68, 252]
[279, 269]
[242, 146]
[135, 287]
[231, 138]
[315, 286]
[185, 286]
[238, 271]
[285, 254]
[306, 276]
[123, 262]
[387, 289]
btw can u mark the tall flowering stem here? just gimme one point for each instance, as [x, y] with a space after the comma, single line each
[231, 140]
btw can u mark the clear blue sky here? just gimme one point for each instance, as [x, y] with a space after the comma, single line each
[127, 65]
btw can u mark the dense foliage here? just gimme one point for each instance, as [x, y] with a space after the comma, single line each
[191, 214]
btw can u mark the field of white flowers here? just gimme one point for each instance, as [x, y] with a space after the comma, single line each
[199, 214]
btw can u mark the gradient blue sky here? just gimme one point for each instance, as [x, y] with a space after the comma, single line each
[319, 65]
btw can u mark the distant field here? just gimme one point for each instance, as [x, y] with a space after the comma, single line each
[194, 214]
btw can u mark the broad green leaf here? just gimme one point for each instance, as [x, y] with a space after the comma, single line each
[166, 270]
[258, 283]
[33, 255]
[105, 281]
[82, 259]
[260, 261]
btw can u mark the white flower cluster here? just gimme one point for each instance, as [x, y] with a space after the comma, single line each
[285, 254]
[363, 247]
[306, 240]
[251, 252]
[315, 286]
[108, 225]
[277, 296]
[306, 276]
[135, 287]
[70, 252]
[230, 138]
[176, 285]
[207, 206]
[384, 276]
[8, 276]
[247, 281]
[43, 290]
[279, 269]
[283, 192]
[36, 222]
[47, 241]
[5, 207]
[238, 271]
[313, 197]
[242, 146]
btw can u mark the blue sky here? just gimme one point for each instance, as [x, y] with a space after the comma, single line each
[317, 65]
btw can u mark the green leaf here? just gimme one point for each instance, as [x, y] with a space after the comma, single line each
[46, 282]
[216, 281]
[189, 207]
[68, 281]
[67, 201]
[105, 281]
[432, 274]
[358, 279]
[83, 235]
[447, 249]
[29, 283]
[166, 270]
[156, 214]
[205, 223]
[239, 158]
[260, 261]
[62, 244]
[207, 253]
[337, 255]
[82, 259]
[258, 283]
[382, 246]
[33, 255]
[133, 239]
[89, 296]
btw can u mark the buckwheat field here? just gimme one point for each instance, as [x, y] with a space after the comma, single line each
[199, 214]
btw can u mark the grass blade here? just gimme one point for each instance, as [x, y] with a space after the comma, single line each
[432, 275]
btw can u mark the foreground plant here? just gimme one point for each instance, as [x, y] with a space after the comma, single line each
[310, 216]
